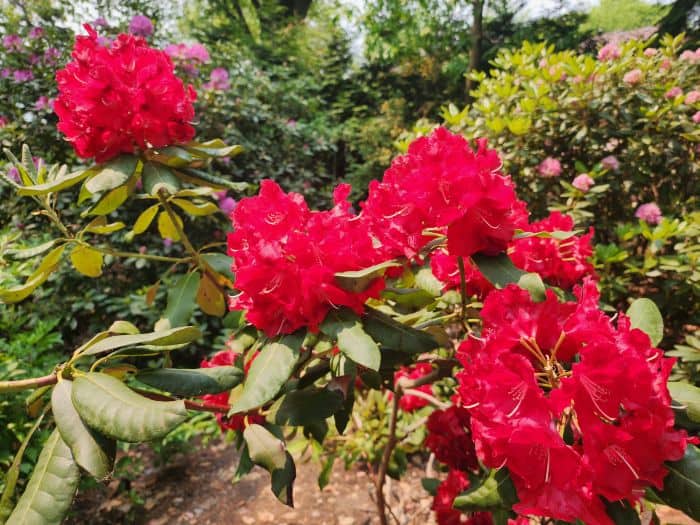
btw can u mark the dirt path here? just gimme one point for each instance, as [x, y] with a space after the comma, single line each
[197, 489]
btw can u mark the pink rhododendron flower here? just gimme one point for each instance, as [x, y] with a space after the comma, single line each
[36, 32]
[665, 64]
[691, 56]
[673, 92]
[692, 97]
[197, 52]
[121, 98]
[12, 42]
[549, 167]
[13, 173]
[696, 117]
[583, 182]
[227, 205]
[22, 75]
[51, 55]
[650, 51]
[218, 80]
[649, 212]
[3, 121]
[632, 77]
[141, 25]
[609, 52]
[610, 163]
[43, 103]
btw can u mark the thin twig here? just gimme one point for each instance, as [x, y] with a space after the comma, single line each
[26, 384]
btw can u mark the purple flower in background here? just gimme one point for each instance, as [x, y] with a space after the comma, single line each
[141, 25]
[167, 242]
[227, 205]
[197, 52]
[3, 121]
[12, 42]
[175, 50]
[100, 22]
[34, 59]
[51, 55]
[610, 163]
[22, 75]
[104, 41]
[36, 32]
[43, 103]
[583, 182]
[649, 213]
[5, 72]
[13, 173]
[218, 80]
[549, 167]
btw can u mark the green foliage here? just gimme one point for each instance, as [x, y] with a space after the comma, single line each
[623, 15]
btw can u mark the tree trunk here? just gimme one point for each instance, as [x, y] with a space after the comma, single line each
[477, 34]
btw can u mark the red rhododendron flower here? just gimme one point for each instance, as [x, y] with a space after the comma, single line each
[121, 98]
[455, 483]
[443, 184]
[409, 403]
[446, 269]
[562, 263]
[544, 370]
[237, 421]
[449, 438]
[286, 257]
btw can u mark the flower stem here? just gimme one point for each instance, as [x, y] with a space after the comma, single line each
[26, 384]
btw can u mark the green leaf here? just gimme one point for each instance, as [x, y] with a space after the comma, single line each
[303, 407]
[479, 497]
[28, 253]
[245, 465]
[213, 148]
[87, 260]
[173, 156]
[60, 183]
[425, 280]
[395, 335]
[324, 476]
[499, 269]
[123, 327]
[112, 175]
[220, 263]
[47, 265]
[203, 178]
[167, 228]
[645, 315]
[91, 451]
[181, 299]
[100, 226]
[269, 452]
[345, 328]
[145, 219]
[192, 382]
[622, 513]
[49, 492]
[430, 485]
[210, 297]
[109, 406]
[269, 372]
[359, 280]
[689, 396]
[174, 336]
[682, 484]
[532, 282]
[197, 209]
[156, 177]
[109, 202]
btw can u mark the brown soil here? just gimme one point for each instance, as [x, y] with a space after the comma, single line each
[196, 488]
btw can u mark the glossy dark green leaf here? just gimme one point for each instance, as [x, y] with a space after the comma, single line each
[395, 335]
[345, 327]
[174, 336]
[269, 452]
[110, 407]
[91, 451]
[493, 492]
[156, 177]
[499, 269]
[181, 300]
[192, 382]
[303, 407]
[682, 484]
[324, 476]
[430, 485]
[533, 283]
[282, 481]
[269, 372]
[687, 395]
[622, 513]
[220, 263]
[645, 315]
[50, 491]
[112, 174]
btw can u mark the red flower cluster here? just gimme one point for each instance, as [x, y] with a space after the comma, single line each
[409, 403]
[119, 98]
[442, 184]
[455, 483]
[235, 422]
[548, 389]
[286, 257]
[562, 263]
[449, 438]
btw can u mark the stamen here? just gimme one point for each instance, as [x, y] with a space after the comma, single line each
[598, 394]
[517, 393]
